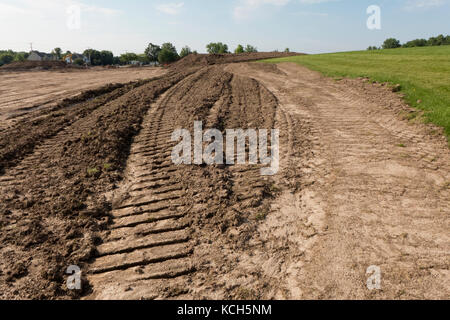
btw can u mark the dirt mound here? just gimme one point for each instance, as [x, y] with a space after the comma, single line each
[211, 59]
[39, 65]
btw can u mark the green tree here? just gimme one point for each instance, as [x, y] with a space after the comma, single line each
[287, 50]
[416, 43]
[116, 60]
[168, 53]
[239, 49]
[106, 58]
[21, 56]
[6, 58]
[58, 53]
[391, 43]
[447, 40]
[217, 48]
[152, 51]
[250, 48]
[143, 58]
[79, 62]
[185, 51]
[126, 58]
[94, 55]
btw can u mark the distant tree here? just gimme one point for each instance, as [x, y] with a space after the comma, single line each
[6, 58]
[217, 48]
[391, 43]
[437, 41]
[116, 60]
[416, 43]
[372, 48]
[250, 48]
[126, 58]
[287, 50]
[143, 58]
[168, 53]
[106, 58]
[195, 52]
[58, 53]
[21, 56]
[447, 40]
[185, 51]
[239, 49]
[99, 58]
[78, 62]
[152, 51]
[94, 55]
[440, 40]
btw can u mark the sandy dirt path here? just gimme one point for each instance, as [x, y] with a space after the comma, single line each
[360, 188]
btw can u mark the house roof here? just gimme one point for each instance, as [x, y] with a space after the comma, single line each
[42, 54]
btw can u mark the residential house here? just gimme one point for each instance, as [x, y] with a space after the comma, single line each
[41, 56]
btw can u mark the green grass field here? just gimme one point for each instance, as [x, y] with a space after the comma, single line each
[423, 73]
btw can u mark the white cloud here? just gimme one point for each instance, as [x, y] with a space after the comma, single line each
[420, 4]
[170, 8]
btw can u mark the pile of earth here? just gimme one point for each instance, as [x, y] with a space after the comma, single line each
[38, 65]
[211, 59]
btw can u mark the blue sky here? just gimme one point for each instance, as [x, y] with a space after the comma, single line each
[311, 26]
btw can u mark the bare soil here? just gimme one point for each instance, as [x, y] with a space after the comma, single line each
[91, 183]
[25, 91]
[37, 65]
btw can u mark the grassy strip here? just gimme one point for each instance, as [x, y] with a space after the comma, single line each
[423, 73]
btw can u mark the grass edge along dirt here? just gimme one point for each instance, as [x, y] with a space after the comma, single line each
[422, 73]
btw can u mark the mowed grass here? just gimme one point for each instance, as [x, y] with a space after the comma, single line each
[423, 73]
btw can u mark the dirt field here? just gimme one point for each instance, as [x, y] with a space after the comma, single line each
[21, 91]
[91, 183]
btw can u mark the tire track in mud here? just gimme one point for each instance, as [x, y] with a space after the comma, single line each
[148, 240]
[33, 130]
[53, 198]
[373, 191]
[173, 225]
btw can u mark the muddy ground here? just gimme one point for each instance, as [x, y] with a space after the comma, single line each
[90, 182]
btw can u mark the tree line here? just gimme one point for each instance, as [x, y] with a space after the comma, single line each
[8, 56]
[164, 54]
[393, 43]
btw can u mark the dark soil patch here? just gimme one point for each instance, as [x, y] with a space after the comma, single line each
[39, 65]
